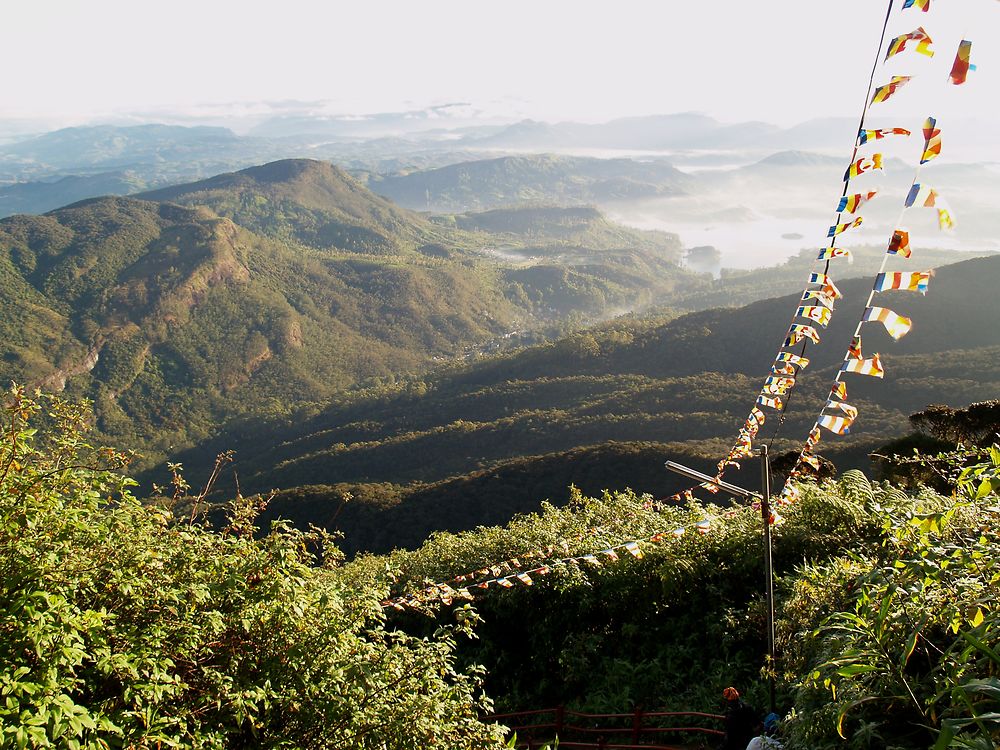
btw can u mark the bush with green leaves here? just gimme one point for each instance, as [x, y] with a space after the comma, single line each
[122, 626]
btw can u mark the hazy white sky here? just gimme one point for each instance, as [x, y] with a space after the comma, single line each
[780, 60]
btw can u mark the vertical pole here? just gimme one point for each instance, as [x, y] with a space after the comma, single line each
[765, 513]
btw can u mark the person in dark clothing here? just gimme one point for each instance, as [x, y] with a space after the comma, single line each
[741, 721]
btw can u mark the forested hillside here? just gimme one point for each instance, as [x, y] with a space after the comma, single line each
[494, 438]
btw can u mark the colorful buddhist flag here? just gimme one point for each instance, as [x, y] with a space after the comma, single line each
[961, 67]
[795, 359]
[850, 411]
[886, 90]
[778, 385]
[921, 195]
[919, 36]
[924, 5]
[862, 165]
[875, 135]
[839, 390]
[813, 438]
[852, 203]
[944, 218]
[897, 325]
[932, 140]
[797, 332]
[854, 350]
[810, 460]
[828, 286]
[633, 549]
[871, 366]
[836, 425]
[815, 313]
[783, 368]
[841, 228]
[900, 243]
[820, 296]
[915, 281]
[772, 402]
[829, 253]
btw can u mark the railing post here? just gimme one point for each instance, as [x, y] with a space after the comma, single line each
[636, 724]
[560, 719]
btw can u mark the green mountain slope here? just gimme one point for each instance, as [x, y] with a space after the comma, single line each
[689, 382]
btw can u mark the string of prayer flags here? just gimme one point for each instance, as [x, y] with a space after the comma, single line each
[886, 90]
[961, 67]
[850, 411]
[900, 243]
[841, 228]
[794, 359]
[924, 5]
[862, 165]
[911, 281]
[797, 332]
[829, 253]
[932, 140]
[871, 366]
[852, 203]
[919, 36]
[828, 286]
[836, 425]
[874, 135]
[772, 402]
[816, 313]
[897, 325]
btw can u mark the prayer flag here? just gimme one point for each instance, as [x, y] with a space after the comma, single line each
[919, 36]
[961, 67]
[924, 5]
[921, 195]
[524, 578]
[837, 425]
[839, 390]
[789, 494]
[815, 313]
[915, 281]
[830, 253]
[864, 164]
[850, 411]
[841, 228]
[810, 459]
[610, 553]
[932, 140]
[874, 135]
[886, 90]
[820, 296]
[944, 218]
[813, 438]
[854, 350]
[899, 244]
[505, 582]
[795, 359]
[771, 401]
[871, 366]
[633, 549]
[778, 385]
[783, 368]
[896, 325]
[852, 203]
[828, 286]
[797, 332]
[678, 532]
[703, 526]
[757, 415]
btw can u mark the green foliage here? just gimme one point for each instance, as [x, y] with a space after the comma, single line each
[121, 626]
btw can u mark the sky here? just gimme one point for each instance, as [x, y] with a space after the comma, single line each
[782, 61]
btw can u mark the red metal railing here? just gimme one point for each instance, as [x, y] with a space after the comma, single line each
[639, 730]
